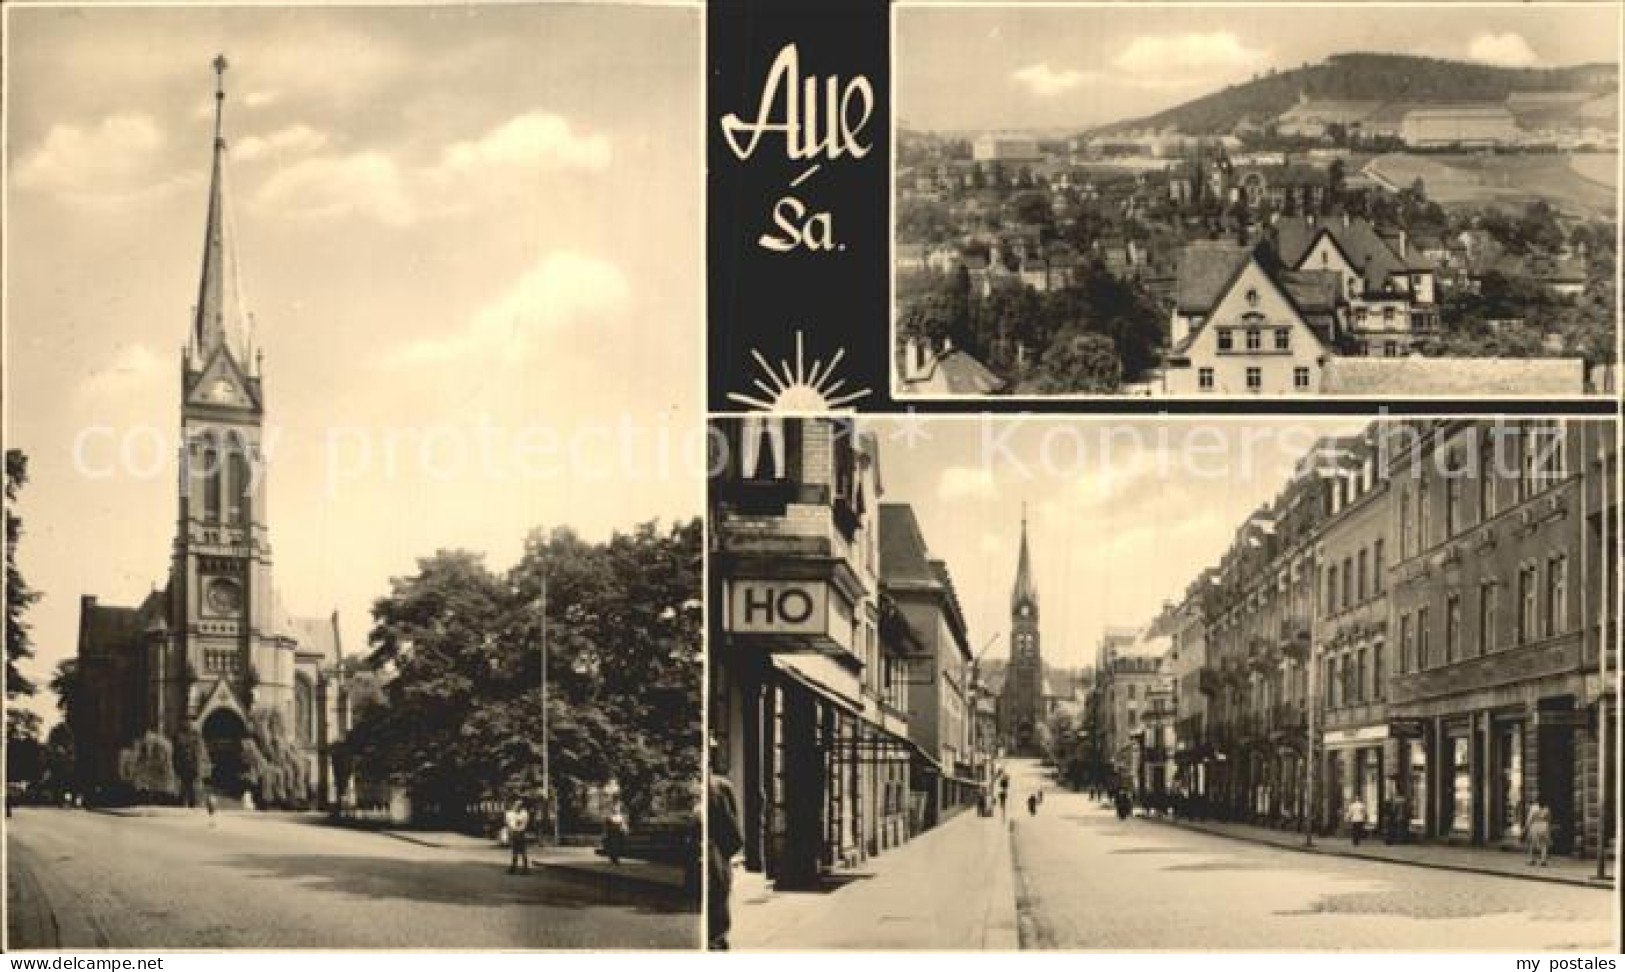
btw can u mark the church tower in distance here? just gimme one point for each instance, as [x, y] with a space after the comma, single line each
[1022, 701]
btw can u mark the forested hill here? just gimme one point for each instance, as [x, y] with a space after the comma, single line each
[1375, 77]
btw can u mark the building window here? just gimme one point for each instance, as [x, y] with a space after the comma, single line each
[1486, 617]
[1204, 379]
[1226, 341]
[1360, 588]
[1390, 349]
[1348, 582]
[762, 451]
[1404, 523]
[1486, 477]
[1406, 659]
[1361, 691]
[304, 712]
[1255, 339]
[212, 486]
[1379, 685]
[1331, 589]
[1424, 535]
[1452, 499]
[1388, 315]
[1255, 379]
[241, 488]
[1527, 597]
[1452, 628]
[1283, 339]
[1300, 379]
[1377, 567]
[1557, 594]
[1423, 659]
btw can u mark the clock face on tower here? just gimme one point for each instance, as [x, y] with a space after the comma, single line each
[223, 596]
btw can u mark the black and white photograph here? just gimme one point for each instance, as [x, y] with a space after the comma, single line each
[354, 474]
[1263, 684]
[1352, 200]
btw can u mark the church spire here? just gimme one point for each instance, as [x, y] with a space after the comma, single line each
[1025, 591]
[220, 319]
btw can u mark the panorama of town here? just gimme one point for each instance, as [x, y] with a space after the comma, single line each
[1374, 720]
[1369, 225]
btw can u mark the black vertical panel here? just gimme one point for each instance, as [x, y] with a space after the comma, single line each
[758, 298]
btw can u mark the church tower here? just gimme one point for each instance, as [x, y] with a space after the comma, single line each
[220, 578]
[214, 648]
[1022, 703]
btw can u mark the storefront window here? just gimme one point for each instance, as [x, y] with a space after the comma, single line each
[1419, 786]
[1510, 744]
[1461, 817]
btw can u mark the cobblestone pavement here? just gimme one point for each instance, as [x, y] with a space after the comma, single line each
[1086, 880]
[87, 880]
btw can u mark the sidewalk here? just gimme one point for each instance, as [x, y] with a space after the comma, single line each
[952, 887]
[1474, 860]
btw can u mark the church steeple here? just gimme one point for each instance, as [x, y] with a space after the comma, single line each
[219, 317]
[1025, 591]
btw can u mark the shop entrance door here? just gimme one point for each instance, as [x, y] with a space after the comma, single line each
[1557, 783]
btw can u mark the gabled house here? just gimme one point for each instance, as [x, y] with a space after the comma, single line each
[1389, 286]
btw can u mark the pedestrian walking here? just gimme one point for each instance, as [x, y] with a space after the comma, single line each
[1040, 796]
[1537, 830]
[1356, 820]
[208, 804]
[1032, 804]
[724, 838]
[517, 823]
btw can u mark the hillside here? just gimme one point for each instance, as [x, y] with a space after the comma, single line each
[1362, 77]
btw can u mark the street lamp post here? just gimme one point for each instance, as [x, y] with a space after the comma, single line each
[550, 794]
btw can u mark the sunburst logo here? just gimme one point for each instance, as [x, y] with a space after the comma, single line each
[801, 388]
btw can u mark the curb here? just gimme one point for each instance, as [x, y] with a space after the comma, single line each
[1356, 856]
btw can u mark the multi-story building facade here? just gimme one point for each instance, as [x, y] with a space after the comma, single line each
[1502, 606]
[807, 696]
[1186, 661]
[940, 703]
[1351, 633]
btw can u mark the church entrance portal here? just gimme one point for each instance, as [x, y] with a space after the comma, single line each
[223, 734]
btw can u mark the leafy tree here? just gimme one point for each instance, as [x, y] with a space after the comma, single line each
[20, 722]
[192, 764]
[1079, 362]
[148, 766]
[1032, 207]
[61, 760]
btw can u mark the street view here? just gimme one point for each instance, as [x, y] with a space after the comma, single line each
[1256, 202]
[1119, 684]
[308, 645]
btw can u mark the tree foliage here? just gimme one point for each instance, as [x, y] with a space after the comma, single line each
[460, 715]
[19, 596]
[148, 767]
[192, 764]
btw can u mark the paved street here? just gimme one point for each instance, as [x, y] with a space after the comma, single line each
[84, 880]
[1085, 880]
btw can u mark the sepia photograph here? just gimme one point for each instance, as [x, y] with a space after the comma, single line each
[1354, 201]
[354, 475]
[1262, 684]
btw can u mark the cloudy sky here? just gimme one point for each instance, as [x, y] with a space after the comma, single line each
[1121, 514]
[1040, 67]
[471, 240]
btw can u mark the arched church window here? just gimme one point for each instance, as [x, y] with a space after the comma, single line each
[241, 487]
[211, 484]
[304, 711]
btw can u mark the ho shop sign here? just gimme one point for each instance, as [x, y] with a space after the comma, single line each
[794, 607]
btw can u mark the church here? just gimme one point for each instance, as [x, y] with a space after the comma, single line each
[213, 647]
[1021, 705]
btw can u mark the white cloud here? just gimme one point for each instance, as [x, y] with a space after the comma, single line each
[110, 160]
[1508, 50]
[367, 185]
[1162, 56]
[561, 289]
[293, 140]
[133, 367]
[966, 482]
[261, 99]
[530, 140]
[1044, 81]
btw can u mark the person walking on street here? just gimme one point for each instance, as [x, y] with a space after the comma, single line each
[208, 803]
[724, 839]
[1032, 804]
[1356, 820]
[1537, 830]
[517, 823]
